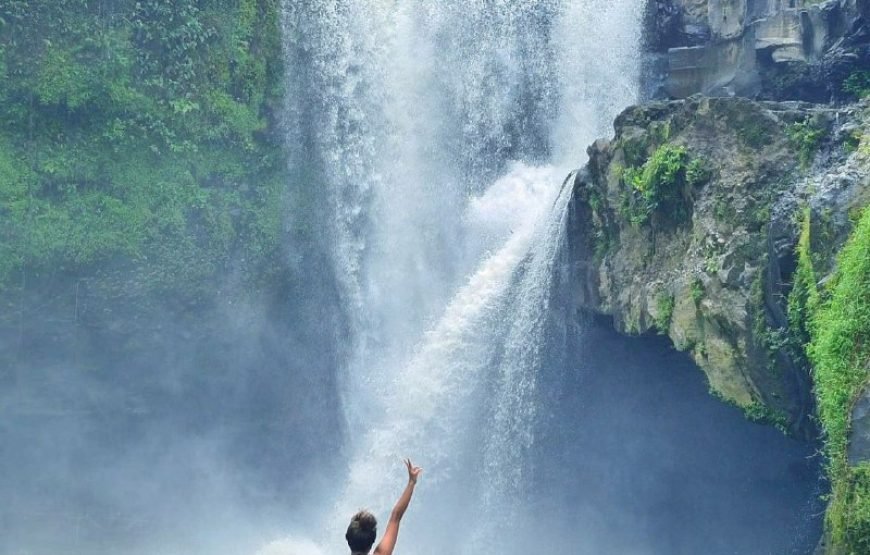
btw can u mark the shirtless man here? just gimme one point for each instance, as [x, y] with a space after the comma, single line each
[363, 527]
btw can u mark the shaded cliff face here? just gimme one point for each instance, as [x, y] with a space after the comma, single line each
[773, 49]
[686, 223]
[654, 465]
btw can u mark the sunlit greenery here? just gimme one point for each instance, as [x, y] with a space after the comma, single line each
[140, 130]
[804, 297]
[660, 184]
[839, 327]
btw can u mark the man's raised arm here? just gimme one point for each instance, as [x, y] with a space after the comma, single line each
[389, 541]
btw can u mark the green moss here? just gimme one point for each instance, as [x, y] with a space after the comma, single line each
[803, 300]
[664, 312]
[840, 352]
[852, 141]
[762, 414]
[604, 244]
[855, 212]
[806, 138]
[723, 209]
[848, 514]
[753, 129]
[660, 131]
[841, 328]
[697, 289]
[658, 185]
[634, 150]
[858, 83]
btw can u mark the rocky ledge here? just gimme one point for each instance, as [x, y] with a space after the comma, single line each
[686, 223]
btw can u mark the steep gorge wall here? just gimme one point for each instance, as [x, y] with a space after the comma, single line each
[717, 220]
[687, 221]
[774, 49]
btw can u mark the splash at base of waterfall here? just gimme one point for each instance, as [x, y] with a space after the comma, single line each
[442, 132]
[470, 381]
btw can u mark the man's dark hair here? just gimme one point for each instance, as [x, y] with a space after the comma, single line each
[362, 532]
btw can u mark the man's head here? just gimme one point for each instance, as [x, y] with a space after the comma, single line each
[362, 532]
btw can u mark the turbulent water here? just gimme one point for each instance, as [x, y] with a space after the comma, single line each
[435, 143]
[443, 133]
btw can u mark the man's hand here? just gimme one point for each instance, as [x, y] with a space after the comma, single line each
[413, 471]
[392, 532]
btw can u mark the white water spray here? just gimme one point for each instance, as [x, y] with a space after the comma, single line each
[442, 131]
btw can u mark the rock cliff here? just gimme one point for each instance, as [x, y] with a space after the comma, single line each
[687, 221]
[722, 221]
[773, 49]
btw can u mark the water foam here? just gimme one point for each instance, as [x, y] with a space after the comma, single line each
[449, 218]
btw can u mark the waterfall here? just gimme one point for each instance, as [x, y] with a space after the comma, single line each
[439, 135]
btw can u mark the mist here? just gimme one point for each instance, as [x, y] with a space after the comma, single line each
[425, 312]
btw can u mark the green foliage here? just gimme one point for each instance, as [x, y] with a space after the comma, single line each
[803, 300]
[697, 289]
[170, 40]
[659, 174]
[139, 130]
[712, 259]
[841, 330]
[604, 243]
[849, 510]
[664, 312]
[858, 83]
[761, 332]
[753, 130]
[806, 138]
[761, 413]
[852, 141]
[634, 150]
[595, 202]
[660, 183]
[723, 209]
[761, 214]
[660, 131]
[771, 340]
[840, 352]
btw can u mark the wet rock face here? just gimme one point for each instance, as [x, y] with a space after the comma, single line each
[859, 437]
[703, 250]
[773, 49]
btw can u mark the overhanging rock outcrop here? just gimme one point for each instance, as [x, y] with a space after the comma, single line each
[686, 223]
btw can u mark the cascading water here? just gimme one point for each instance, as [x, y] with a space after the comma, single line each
[432, 141]
[441, 132]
